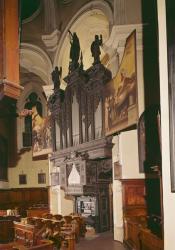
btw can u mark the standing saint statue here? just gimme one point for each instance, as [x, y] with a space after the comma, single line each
[56, 75]
[74, 51]
[95, 49]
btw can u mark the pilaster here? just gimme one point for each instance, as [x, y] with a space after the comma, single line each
[52, 34]
[119, 12]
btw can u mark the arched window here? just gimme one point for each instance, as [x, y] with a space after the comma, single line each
[32, 101]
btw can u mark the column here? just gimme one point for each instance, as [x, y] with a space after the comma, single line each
[117, 195]
[119, 12]
[52, 34]
[9, 49]
[50, 17]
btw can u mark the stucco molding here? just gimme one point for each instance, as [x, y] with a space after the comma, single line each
[51, 40]
[44, 65]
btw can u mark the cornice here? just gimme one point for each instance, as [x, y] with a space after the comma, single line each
[10, 89]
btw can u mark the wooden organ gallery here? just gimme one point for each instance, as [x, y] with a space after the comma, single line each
[82, 152]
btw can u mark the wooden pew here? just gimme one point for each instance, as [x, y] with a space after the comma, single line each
[25, 233]
[132, 230]
[150, 241]
[43, 245]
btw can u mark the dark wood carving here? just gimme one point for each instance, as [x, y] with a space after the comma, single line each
[88, 87]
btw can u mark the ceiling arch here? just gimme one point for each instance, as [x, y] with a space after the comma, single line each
[35, 60]
[94, 18]
[29, 10]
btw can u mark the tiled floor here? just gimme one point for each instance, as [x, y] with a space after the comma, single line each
[103, 241]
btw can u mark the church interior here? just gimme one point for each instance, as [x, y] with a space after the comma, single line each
[87, 124]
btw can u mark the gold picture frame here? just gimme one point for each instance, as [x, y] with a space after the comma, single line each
[121, 104]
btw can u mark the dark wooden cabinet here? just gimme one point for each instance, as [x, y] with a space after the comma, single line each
[134, 197]
[6, 231]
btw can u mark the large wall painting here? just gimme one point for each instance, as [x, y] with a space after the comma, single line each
[121, 108]
[41, 134]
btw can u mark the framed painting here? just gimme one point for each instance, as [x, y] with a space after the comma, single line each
[41, 178]
[41, 134]
[22, 179]
[121, 105]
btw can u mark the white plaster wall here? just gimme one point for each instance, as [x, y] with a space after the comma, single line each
[125, 150]
[168, 197]
[29, 167]
[67, 204]
[4, 185]
[117, 196]
[59, 203]
[128, 147]
[54, 201]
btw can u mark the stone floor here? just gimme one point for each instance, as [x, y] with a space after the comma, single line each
[103, 241]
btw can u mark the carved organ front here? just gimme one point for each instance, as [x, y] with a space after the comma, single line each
[78, 112]
[81, 151]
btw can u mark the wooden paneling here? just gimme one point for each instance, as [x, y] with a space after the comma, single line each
[4, 197]
[138, 237]
[16, 196]
[6, 231]
[23, 197]
[132, 230]
[134, 197]
[136, 233]
[149, 241]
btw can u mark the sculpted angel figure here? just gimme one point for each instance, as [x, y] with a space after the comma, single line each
[95, 49]
[56, 76]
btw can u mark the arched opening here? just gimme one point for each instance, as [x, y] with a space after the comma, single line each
[82, 23]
